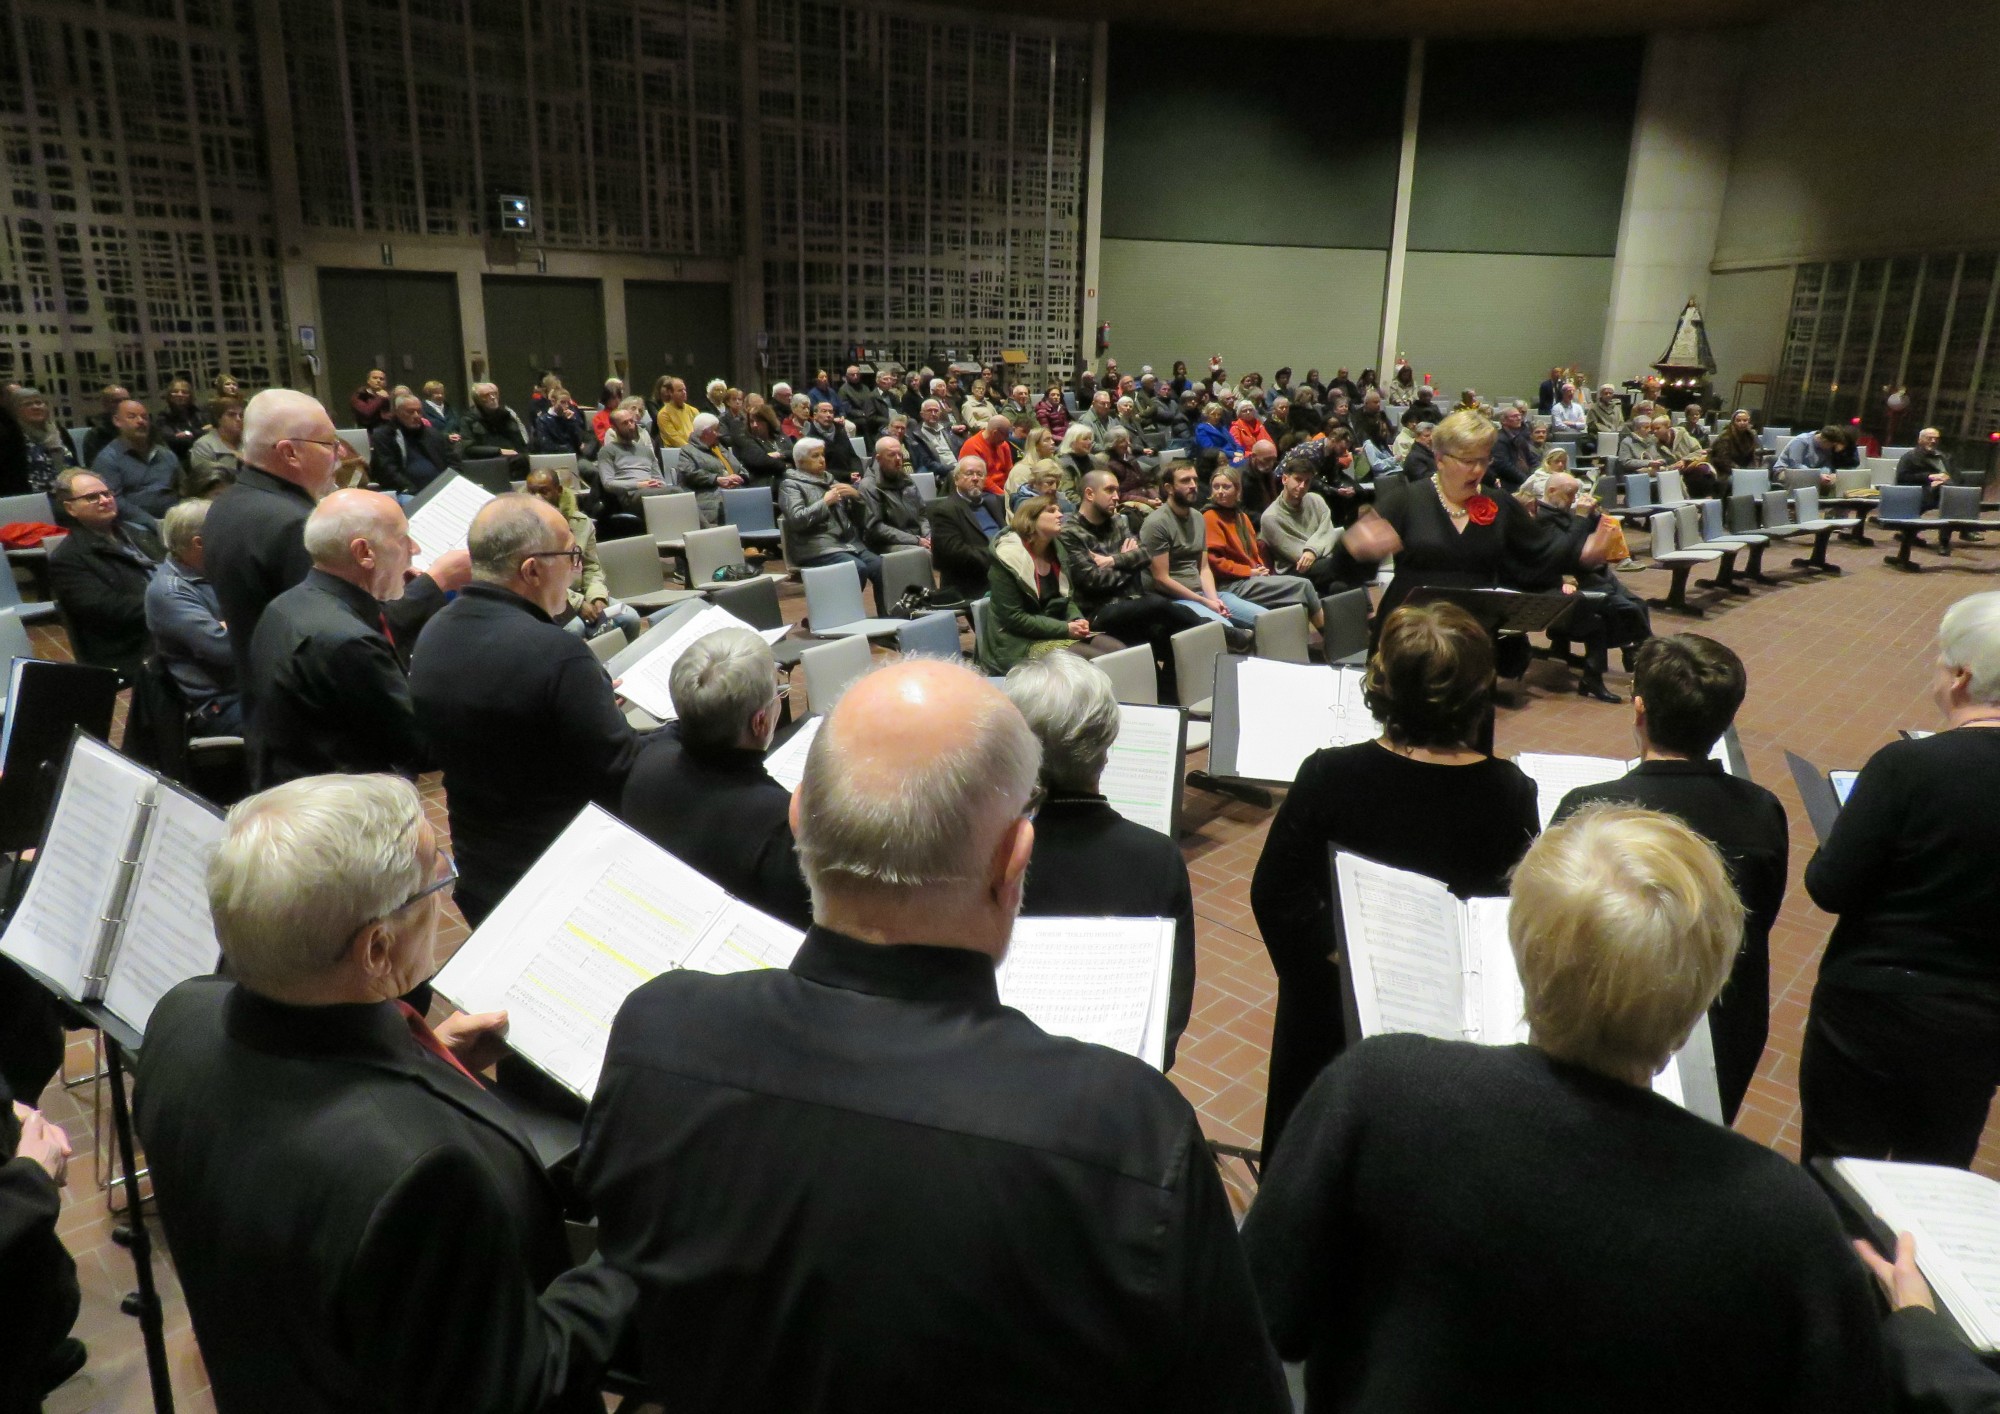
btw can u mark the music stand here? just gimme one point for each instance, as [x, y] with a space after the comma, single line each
[50, 703]
[1822, 802]
[1501, 610]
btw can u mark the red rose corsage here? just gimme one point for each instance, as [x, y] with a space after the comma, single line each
[1482, 509]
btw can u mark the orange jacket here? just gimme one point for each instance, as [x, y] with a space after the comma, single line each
[999, 460]
[1233, 551]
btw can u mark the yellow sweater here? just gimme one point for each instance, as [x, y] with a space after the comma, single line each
[676, 425]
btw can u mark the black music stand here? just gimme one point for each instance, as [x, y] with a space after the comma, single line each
[1501, 610]
[51, 702]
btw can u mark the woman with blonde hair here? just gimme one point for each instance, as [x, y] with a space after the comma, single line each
[1077, 455]
[1037, 452]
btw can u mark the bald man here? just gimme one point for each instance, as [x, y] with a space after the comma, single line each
[863, 1183]
[518, 713]
[324, 677]
[255, 533]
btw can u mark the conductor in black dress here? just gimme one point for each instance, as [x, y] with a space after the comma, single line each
[1685, 693]
[1418, 798]
[1451, 1226]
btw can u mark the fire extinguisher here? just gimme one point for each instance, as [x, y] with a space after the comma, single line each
[1103, 338]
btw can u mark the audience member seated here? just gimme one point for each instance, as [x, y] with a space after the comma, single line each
[40, 1298]
[492, 677]
[933, 448]
[212, 459]
[1688, 455]
[1038, 450]
[141, 472]
[1566, 414]
[965, 521]
[1515, 455]
[707, 467]
[1176, 537]
[1377, 1242]
[762, 450]
[957, 1150]
[357, 1222]
[1611, 615]
[562, 427]
[1257, 478]
[827, 519]
[405, 453]
[991, 446]
[98, 574]
[1685, 693]
[1736, 446]
[1110, 574]
[1138, 482]
[842, 462]
[627, 465]
[699, 789]
[325, 684]
[102, 429]
[491, 428]
[1212, 437]
[441, 414]
[897, 518]
[1606, 413]
[1819, 451]
[1031, 612]
[1420, 797]
[1299, 528]
[1925, 465]
[48, 451]
[179, 425]
[185, 619]
[591, 610]
[1089, 861]
[370, 402]
[1899, 1058]
[1236, 558]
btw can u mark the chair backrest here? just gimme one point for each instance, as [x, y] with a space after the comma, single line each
[926, 484]
[355, 437]
[1749, 481]
[979, 611]
[13, 642]
[1805, 502]
[1892, 455]
[749, 507]
[1196, 651]
[1607, 445]
[10, 589]
[1605, 488]
[931, 636]
[833, 595]
[1772, 438]
[1284, 634]
[1687, 524]
[1664, 540]
[77, 437]
[1131, 673]
[1638, 490]
[1958, 502]
[1671, 489]
[608, 644]
[860, 448]
[1743, 513]
[711, 550]
[1846, 483]
[907, 568]
[495, 474]
[33, 507]
[671, 517]
[1901, 502]
[559, 462]
[1777, 509]
[1344, 627]
[830, 667]
[755, 601]
[1711, 520]
[1881, 467]
[631, 566]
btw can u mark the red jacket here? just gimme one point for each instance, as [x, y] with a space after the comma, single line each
[999, 460]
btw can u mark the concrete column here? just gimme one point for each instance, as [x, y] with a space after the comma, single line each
[748, 286]
[1093, 197]
[1399, 235]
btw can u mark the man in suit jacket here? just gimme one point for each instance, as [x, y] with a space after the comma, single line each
[406, 453]
[358, 1224]
[964, 524]
[1089, 860]
[1685, 692]
[326, 687]
[98, 575]
[699, 789]
[494, 677]
[256, 533]
[1041, 1214]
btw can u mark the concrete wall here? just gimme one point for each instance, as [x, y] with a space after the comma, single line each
[1746, 312]
[1498, 323]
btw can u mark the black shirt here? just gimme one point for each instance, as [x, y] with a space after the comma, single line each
[1453, 1227]
[1910, 869]
[862, 1184]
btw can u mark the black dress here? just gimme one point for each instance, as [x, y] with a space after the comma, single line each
[1466, 826]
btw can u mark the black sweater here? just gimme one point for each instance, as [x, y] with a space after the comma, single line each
[1910, 869]
[1455, 1227]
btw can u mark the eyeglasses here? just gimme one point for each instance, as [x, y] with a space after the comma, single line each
[87, 496]
[1035, 801]
[437, 885]
[574, 554]
[333, 446]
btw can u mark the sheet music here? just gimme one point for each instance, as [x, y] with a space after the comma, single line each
[1287, 711]
[744, 940]
[442, 523]
[1501, 1003]
[1556, 776]
[646, 682]
[169, 936]
[1955, 1217]
[1093, 979]
[603, 910]
[1142, 778]
[60, 922]
[787, 765]
[1405, 954]
[1842, 783]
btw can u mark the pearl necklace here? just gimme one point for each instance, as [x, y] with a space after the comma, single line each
[1457, 513]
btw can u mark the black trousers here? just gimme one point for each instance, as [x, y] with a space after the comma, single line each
[1897, 1075]
[1739, 1023]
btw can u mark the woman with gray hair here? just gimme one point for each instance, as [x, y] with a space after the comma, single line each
[1902, 1044]
[1089, 860]
[47, 451]
[1453, 1226]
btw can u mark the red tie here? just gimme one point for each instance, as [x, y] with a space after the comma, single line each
[382, 621]
[421, 1032]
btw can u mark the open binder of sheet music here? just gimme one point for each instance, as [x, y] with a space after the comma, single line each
[605, 909]
[1419, 959]
[117, 910]
[645, 680]
[1556, 775]
[787, 764]
[441, 517]
[1954, 1216]
[1287, 711]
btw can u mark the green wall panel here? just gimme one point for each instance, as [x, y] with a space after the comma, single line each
[1522, 146]
[1293, 143]
[1498, 323]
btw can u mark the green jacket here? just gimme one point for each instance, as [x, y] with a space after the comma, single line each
[1015, 619]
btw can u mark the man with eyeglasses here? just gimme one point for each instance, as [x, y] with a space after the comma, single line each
[494, 677]
[356, 1221]
[98, 573]
[699, 789]
[256, 533]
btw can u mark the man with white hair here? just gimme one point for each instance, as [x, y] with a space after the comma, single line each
[185, 620]
[491, 428]
[933, 448]
[406, 453]
[494, 676]
[1566, 414]
[255, 536]
[699, 789]
[1090, 861]
[951, 1178]
[1514, 454]
[826, 518]
[708, 468]
[1606, 413]
[328, 1168]
[326, 686]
